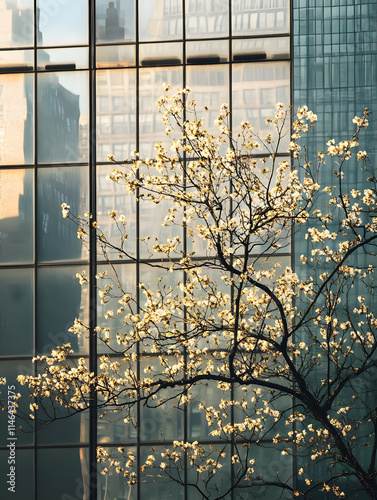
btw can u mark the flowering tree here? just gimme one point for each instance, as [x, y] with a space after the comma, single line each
[290, 352]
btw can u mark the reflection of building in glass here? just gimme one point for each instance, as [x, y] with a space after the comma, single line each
[115, 20]
[58, 120]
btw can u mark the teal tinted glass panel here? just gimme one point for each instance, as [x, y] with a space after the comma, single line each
[21, 472]
[16, 119]
[115, 21]
[63, 426]
[63, 117]
[160, 20]
[116, 113]
[61, 299]
[11, 370]
[57, 237]
[155, 487]
[115, 486]
[16, 319]
[16, 24]
[74, 483]
[62, 22]
[162, 422]
[16, 216]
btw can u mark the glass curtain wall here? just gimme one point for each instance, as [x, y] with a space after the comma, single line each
[335, 70]
[79, 81]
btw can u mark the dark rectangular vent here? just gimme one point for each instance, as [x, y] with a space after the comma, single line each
[203, 59]
[62, 66]
[161, 61]
[258, 55]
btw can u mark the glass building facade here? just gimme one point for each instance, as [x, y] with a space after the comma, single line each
[79, 81]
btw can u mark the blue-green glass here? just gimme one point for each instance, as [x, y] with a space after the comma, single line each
[23, 474]
[74, 483]
[10, 370]
[157, 486]
[16, 216]
[61, 299]
[115, 485]
[162, 422]
[57, 237]
[16, 319]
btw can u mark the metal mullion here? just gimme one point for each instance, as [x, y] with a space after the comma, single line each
[292, 253]
[230, 59]
[137, 213]
[35, 246]
[92, 250]
[185, 413]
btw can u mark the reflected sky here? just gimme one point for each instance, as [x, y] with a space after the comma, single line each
[63, 22]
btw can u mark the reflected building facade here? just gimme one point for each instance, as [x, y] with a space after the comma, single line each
[76, 91]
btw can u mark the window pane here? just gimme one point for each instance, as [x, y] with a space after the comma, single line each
[207, 19]
[63, 425]
[16, 120]
[209, 87]
[10, 370]
[115, 20]
[204, 52]
[16, 216]
[158, 54]
[126, 274]
[152, 129]
[16, 295]
[112, 196]
[116, 112]
[260, 49]
[57, 237]
[62, 117]
[113, 56]
[160, 19]
[257, 87]
[24, 469]
[16, 24]
[61, 299]
[62, 23]
[68, 58]
[259, 18]
[74, 483]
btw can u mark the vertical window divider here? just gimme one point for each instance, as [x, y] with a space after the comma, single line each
[92, 250]
[35, 191]
[137, 214]
[291, 95]
[184, 84]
